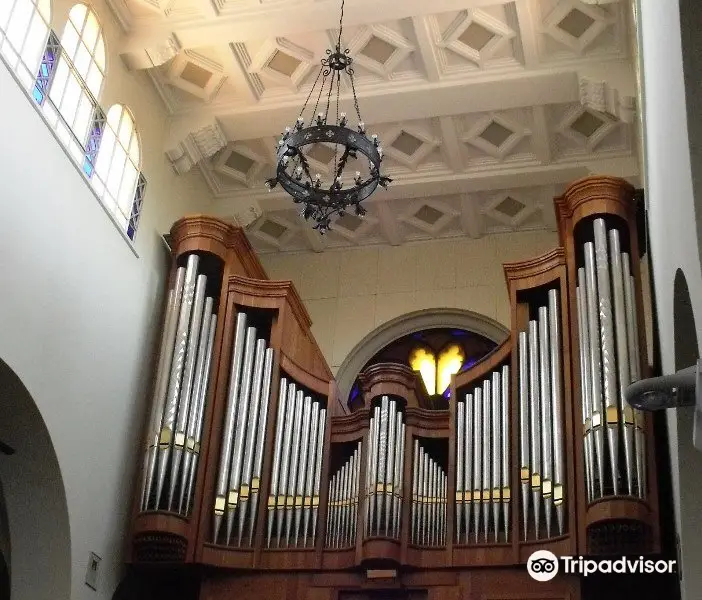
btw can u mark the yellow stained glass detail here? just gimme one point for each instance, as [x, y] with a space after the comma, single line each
[423, 360]
[450, 362]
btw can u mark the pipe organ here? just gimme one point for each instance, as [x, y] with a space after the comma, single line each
[256, 469]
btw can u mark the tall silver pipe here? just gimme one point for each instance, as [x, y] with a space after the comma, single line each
[426, 498]
[200, 413]
[496, 451]
[415, 492]
[609, 360]
[283, 495]
[191, 422]
[331, 509]
[487, 434]
[370, 476]
[460, 470]
[635, 365]
[225, 455]
[355, 491]
[251, 432]
[477, 459]
[390, 464]
[318, 471]
[398, 474]
[309, 477]
[175, 381]
[623, 373]
[433, 492]
[382, 459]
[554, 329]
[303, 467]
[291, 500]
[261, 439]
[277, 450]
[443, 508]
[339, 537]
[240, 431]
[546, 417]
[159, 397]
[504, 413]
[593, 327]
[585, 387]
[373, 475]
[535, 424]
[468, 429]
[524, 433]
[186, 390]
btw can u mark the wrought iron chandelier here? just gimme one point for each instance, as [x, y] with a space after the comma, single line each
[340, 192]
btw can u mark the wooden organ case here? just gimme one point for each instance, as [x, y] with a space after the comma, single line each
[257, 477]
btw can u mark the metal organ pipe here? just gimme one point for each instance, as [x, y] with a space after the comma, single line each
[541, 426]
[608, 327]
[482, 461]
[343, 502]
[182, 379]
[428, 499]
[384, 469]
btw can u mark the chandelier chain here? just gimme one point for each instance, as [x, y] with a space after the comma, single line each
[341, 26]
[304, 106]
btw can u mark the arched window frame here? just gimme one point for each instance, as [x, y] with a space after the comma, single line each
[78, 60]
[24, 30]
[116, 176]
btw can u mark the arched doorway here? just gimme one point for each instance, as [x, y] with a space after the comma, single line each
[38, 551]
[413, 322]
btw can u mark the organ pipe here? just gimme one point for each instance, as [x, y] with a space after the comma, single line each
[482, 461]
[609, 362]
[182, 380]
[428, 527]
[343, 502]
[541, 426]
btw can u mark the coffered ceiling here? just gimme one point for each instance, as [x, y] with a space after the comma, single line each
[485, 108]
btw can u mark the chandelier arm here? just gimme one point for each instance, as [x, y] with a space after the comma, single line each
[314, 85]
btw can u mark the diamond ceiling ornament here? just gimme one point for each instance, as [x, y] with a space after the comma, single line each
[495, 135]
[240, 163]
[274, 230]
[196, 74]
[430, 216]
[410, 144]
[576, 25]
[283, 62]
[476, 35]
[586, 127]
[509, 208]
[380, 49]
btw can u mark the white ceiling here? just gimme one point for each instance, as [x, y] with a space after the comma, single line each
[485, 108]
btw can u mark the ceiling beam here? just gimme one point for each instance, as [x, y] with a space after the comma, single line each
[388, 223]
[472, 221]
[527, 13]
[421, 101]
[540, 135]
[236, 73]
[426, 47]
[461, 183]
[282, 20]
[451, 146]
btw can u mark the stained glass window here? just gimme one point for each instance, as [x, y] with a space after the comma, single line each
[92, 146]
[436, 370]
[116, 177]
[46, 69]
[24, 28]
[80, 71]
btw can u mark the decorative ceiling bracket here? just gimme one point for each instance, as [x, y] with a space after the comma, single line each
[601, 97]
[153, 56]
[198, 145]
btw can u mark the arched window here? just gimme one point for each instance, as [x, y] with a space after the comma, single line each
[24, 28]
[116, 177]
[79, 74]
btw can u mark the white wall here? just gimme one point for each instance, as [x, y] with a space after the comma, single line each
[78, 309]
[674, 240]
[351, 292]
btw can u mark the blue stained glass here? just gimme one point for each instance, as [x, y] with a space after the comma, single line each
[136, 207]
[93, 144]
[46, 69]
[447, 393]
[459, 333]
[355, 391]
[468, 364]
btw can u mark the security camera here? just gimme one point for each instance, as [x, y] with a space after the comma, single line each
[683, 388]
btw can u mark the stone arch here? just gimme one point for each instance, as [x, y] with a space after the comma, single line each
[39, 561]
[412, 322]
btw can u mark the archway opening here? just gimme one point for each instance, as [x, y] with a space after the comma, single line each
[38, 549]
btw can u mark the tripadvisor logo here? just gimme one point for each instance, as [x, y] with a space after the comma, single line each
[544, 566]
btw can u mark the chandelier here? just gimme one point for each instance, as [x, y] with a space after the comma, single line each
[338, 192]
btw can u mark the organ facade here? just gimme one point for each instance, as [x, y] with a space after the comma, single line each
[260, 477]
